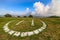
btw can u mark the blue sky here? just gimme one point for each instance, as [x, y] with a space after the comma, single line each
[20, 5]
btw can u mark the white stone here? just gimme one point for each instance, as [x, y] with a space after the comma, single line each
[30, 33]
[23, 34]
[6, 29]
[44, 25]
[11, 32]
[36, 31]
[16, 34]
[40, 30]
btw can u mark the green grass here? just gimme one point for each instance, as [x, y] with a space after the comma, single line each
[26, 25]
[52, 32]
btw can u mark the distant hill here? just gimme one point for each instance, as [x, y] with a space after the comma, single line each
[54, 17]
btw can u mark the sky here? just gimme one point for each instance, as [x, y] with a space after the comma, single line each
[20, 5]
[34, 7]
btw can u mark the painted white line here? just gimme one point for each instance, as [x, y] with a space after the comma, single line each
[32, 24]
[23, 34]
[19, 22]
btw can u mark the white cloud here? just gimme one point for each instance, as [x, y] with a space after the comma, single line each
[33, 13]
[27, 11]
[48, 10]
[40, 9]
[55, 7]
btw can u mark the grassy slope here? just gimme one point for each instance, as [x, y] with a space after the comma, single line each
[52, 32]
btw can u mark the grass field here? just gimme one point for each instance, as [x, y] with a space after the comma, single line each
[52, 32]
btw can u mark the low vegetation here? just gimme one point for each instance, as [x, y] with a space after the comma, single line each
[53, 17]
[52, 32]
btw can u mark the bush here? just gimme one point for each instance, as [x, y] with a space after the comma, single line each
[18, 16]
[30, 16]
[8, 15]
[25, 16]
[53, 17]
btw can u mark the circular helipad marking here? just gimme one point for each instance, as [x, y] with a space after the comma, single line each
[23, 34]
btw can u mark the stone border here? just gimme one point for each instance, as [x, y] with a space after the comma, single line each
[23, 34]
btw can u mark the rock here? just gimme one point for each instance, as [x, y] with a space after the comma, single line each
[40, 30]
[6, 29]
[11, 32]
[30, 33]
[16, 34]
[23, 34]
[36, 31]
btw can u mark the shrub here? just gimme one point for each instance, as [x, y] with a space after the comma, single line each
[25, 16]
[18, 16]
[8, 15]
[53, 17]
[30, 16]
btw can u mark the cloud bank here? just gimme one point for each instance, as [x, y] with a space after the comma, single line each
[52, 9]
[40, 9]
[55, 7]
